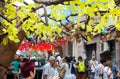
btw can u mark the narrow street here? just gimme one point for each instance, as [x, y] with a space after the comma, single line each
[59, 39]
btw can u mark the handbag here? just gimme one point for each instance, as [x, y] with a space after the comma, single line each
[62, 72]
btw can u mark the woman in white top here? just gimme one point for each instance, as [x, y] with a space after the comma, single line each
[66, 66]
[107, 72]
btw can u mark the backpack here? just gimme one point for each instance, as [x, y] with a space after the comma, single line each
[81, 66]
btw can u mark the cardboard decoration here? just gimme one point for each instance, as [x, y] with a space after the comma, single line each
[42, 46]
[104, 31]
[71, 38]
[109, 35]
[77, 37]
[89, 37]
[78, 40]
[69, 25]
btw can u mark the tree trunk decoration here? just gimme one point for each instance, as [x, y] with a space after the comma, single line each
[7, 54]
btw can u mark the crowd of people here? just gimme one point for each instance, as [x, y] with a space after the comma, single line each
[57, 67]
[104, 69]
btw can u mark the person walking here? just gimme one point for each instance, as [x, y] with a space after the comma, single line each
[16, 67]
[49, 70]
[66, 66]
[80, 68]
[99, 69]
[115, 69]
[72, 68]
[107, 72]
[93, 65]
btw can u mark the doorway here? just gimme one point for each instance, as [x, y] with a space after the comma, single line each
[91, 50]
[110, 54]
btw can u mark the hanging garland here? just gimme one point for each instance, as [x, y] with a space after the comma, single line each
[42, 46]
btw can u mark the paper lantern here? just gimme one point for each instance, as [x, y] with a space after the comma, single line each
[41, 47]
[20, 48]
[34, 47]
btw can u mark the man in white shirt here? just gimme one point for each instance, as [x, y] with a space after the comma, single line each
[48, 70]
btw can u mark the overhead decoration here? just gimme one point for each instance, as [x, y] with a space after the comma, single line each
[104, 31]
[89, 37]
[109, 35]
[52, 19]
[42, 45]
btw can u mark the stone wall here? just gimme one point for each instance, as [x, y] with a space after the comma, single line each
[118, 53]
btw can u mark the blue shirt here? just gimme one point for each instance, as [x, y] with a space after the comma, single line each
[115, 70]
[72, 67]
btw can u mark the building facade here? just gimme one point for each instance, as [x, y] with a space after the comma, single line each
[102, 49]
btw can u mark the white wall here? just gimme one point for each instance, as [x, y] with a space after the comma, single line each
[78, 48]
